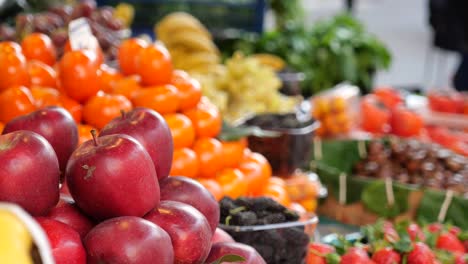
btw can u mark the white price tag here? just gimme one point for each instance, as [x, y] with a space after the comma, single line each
[81, 36]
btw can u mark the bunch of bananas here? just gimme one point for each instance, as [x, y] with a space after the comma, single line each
[189, 42]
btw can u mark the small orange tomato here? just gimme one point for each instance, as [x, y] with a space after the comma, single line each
[257, 171]
[127, 54]
[277, 193]
[10, 47]
[84, 133]
[108, 76]
[163, 99]
[183, 133]
[1, 127]
[185, 163]
[210, 155]
[45, 96]
[72, 106]
[13, 70]
[213, 187]
[127, 86]
[189, 89]
[232, 182]
[206, 119]
[41, 74]
[233, 152]
[102, 108]
[15, 101]
[38, 46]
[154, 65]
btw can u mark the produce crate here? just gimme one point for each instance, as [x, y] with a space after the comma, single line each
[216, 15]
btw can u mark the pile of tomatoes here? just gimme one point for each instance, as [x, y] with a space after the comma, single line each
[94, 93]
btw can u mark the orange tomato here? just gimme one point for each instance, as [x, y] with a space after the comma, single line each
[78, 75]
[189, 89]
[183, 133]
[163, 99]
[102, 108]
[1, 127]
[154, 65]
[210, 155]
[127, 86]
[108, 76]
[277, 193]
[84, 133]
[15, 101]
[232, 182]
[206, 119]
[97, 54]
[13, 71]
[37, 46]
[41, 74]
[10, 47]
[72, 106]
[213, 187]
[257, 171]
[233, 152]
[185, 163]
[127, 54]
[45, 96]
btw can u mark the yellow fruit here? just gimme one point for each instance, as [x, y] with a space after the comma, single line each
[321, 108]
[124, 12]
[338, 104]
[270, 60]
[15, 240]
[310, 204]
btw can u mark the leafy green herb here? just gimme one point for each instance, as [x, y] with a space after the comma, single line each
[404, 245]
[228, 258]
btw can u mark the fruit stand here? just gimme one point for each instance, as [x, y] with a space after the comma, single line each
[174, 147]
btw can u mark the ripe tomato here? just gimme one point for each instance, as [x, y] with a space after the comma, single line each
[84, 133]
[163, 99]
[210, 155]
[127, 86]
[154, 65]
[108, 76]
[72, 106]
[96, 54]
[406, 123]
[232, 182]
[233, 152]
[206, 119]
[213, 187]
[389, 96]
[15, 101]
[189, 89]
[41, 74]
[183, 133]
[185, 163]
[10, 47]
[257, 171]
[446, 102]
[102, 108]
[127, 54]
[375, 116]
[78, 75]
[1, 127]
[37, 46]
[45, 96]
[13, 71]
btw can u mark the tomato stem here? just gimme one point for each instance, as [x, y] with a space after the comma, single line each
[122, 113]
[94, 134]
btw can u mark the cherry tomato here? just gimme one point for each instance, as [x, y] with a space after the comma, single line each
[375, 116]
[389, 96]
[406, 123]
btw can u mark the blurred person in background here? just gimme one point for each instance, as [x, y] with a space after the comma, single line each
[449, 21]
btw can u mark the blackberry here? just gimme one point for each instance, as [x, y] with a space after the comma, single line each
[244, 219]
[267, 204]
[274, 219]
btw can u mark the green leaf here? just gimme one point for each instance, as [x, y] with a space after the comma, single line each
[404, 245]
[444, 257]
[463, 235]
[375, 199]
[228, 258]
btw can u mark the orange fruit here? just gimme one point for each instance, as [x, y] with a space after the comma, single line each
[257, 171]
[13, 70]
[277, 193]
[189, 89]
[84, 133]
[183, 133]
[10, 47]
[127, 86]
[102, 108]
[97, 54]
[210, 155]
[206, 119]
[213, 187]
[163, 99]
[38, 46]
[108, 76]
[233, 152]
[127, 54]
[15, 101]
[45, 96]
[72, 106]
[154, 65]
[1, 127]
[232, 182]
[185, 163]
[41, 74]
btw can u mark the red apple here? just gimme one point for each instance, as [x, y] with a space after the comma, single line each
[188, 228]
[221, 249]
[112, 176]
[53, 123]
[189, 191]
[221, 236]
[67, 213]
[151, 130]
[65, 242]
[30, 172]
[128, 239]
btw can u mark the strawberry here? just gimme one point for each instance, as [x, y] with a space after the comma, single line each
[421, 254]
[317, 253]
[460, 258]
[434, 227]
[450, 242]
[386, 256]
[454, 230]
[356, 255]
[415, 232]
[390, 233]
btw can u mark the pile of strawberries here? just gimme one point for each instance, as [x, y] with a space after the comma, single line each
[393, 244]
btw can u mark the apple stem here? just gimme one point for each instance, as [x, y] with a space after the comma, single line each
[122, 113]
[94, 134]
